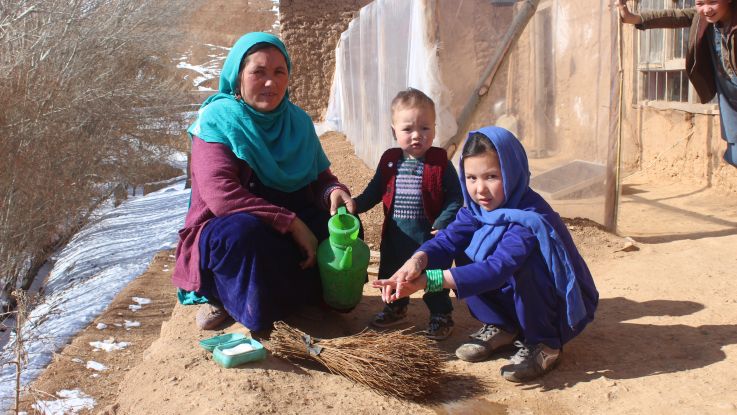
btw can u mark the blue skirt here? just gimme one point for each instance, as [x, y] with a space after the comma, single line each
[253, 270]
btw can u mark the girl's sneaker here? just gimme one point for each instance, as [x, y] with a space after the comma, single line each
[440, 327]
[390, 317]
[484, 342]
[530, 362]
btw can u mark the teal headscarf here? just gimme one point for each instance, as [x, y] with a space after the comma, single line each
[280, 146]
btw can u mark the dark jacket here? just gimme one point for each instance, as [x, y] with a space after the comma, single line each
[699, 66]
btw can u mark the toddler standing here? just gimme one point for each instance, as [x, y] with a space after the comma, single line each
[420, 192]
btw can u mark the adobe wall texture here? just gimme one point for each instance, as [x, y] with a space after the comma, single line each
[657, 142]
[311, 30]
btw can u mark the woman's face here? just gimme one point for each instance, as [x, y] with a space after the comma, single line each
[264, 79]
[715, 10]
[483, 175]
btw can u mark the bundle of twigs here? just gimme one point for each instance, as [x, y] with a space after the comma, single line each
[393, 363]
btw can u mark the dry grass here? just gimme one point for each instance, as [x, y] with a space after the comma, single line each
[92, 103]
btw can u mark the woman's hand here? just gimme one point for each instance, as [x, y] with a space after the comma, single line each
[305, 239]
[393, 289]
[340, 197]
[625, 14]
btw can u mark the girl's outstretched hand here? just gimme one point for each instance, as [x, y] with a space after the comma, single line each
[406, 280]
[393, 289]
[625, 14]
[412, 268]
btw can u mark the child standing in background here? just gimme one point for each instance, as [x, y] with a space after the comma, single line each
[421, 194]
[711, 56]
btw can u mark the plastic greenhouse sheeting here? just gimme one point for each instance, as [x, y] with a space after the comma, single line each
[556, 90]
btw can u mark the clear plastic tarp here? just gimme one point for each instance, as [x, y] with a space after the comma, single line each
[556, 87]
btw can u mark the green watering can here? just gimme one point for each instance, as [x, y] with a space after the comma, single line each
[343, 261]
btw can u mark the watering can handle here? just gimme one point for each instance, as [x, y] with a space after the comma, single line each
[342, 210]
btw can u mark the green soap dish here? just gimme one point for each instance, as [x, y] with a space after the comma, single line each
[238, 352]
[212, 342]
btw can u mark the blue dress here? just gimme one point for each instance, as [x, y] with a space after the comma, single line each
[513, 288]
[252, 270]
[516, 266]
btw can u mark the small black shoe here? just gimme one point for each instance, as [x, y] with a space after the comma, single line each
[390, 317]
[440, 327]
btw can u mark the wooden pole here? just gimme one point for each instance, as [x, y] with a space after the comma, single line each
[614, 154]
[523, 16]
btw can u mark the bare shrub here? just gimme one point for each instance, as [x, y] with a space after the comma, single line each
[90, 99]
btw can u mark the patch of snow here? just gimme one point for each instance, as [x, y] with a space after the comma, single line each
[69, 402]
[91, 269]
[101, 326]
[130, 324]
[141, 300]
[96, 366]
[109, 345]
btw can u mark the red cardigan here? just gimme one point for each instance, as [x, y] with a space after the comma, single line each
[436, 159]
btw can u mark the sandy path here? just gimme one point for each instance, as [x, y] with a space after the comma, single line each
[664, 340]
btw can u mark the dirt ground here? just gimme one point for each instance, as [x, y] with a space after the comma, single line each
[664, 339]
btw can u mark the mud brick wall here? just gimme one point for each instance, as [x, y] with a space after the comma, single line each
[311, 30]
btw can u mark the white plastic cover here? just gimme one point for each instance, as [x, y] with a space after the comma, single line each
[555, 89]
[383, 52]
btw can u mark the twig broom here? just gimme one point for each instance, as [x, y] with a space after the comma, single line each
[391, 363]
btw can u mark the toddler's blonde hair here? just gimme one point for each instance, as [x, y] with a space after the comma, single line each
[411, 98]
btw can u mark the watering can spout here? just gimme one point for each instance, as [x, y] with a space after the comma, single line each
[347, 261]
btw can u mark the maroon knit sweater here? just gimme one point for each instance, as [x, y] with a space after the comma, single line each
[220, 187]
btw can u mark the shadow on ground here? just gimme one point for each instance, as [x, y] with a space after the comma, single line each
[613, 348]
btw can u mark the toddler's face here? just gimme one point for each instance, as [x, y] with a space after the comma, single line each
[483, 175]
[714, 10]
[414, 129]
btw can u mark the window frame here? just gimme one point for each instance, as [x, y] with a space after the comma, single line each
[668, 62]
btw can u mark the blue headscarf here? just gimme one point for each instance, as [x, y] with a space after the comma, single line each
[557, 254]
[280, 146]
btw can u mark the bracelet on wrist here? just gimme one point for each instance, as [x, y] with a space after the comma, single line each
[434, 280]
